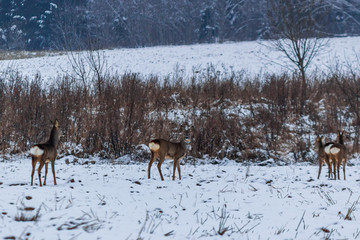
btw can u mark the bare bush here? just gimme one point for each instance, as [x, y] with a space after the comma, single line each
[233, 117]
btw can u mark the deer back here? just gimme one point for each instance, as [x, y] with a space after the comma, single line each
[327, 147]
[340, 140]
[49, 150]
[338, 149]
[167, 148]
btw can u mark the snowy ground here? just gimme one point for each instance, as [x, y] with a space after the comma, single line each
[252, 57]
[104, 201]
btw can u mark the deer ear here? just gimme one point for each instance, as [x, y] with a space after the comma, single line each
[56, 123]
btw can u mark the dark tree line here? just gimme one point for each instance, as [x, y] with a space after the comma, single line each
[81, 24]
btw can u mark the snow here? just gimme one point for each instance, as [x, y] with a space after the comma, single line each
[98, 200]
[252, 58]
[106, 201]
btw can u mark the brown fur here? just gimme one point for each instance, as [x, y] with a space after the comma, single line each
[339, 156]
[322, 156]
[49, 154]
[163, 149]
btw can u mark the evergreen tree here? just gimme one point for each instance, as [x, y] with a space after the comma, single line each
[208, 30]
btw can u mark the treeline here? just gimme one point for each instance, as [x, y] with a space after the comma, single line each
[84, 24]
[234, 117]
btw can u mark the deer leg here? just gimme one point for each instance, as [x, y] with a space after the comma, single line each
[329, 169]
[320, 166]
[151, 162]
[344, 164]
[178, 167]
[159, 167]
[174, 168]
[46, 171]
[334, 167]
[53, 170]
[33, 169]
[328, 163]
[39, 171]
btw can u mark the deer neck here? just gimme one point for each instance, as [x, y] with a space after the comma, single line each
[319, 145]
[54, 137]
[184, 143]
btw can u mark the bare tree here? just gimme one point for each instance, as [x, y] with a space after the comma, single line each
[294, 31]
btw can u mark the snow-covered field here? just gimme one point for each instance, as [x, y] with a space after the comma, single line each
[227, 201]
[252, 57]
[105, 201]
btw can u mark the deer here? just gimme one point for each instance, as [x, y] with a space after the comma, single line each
[323, 156]
[164, 149]
[338, 155]
[45, 153]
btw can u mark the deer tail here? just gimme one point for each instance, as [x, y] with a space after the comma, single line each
[36, 151]
[154, 145]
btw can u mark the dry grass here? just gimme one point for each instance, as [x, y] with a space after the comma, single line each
[13, 55]
[235, 118]
[28, 215]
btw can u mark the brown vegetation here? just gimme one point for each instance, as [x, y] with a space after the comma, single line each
[233, 117]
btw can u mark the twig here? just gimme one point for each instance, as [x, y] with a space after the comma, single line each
[351, 209]
[302, 219]
[143, 226]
